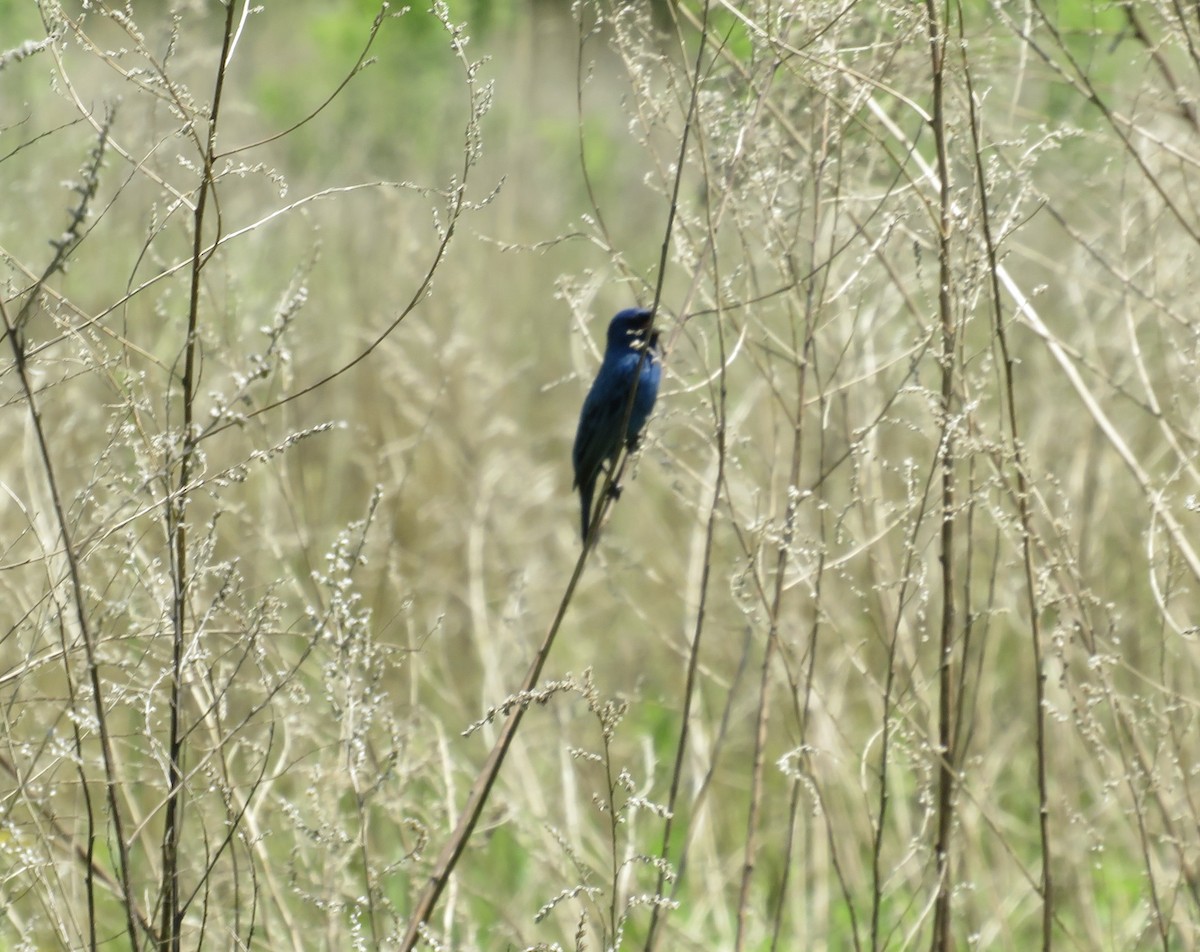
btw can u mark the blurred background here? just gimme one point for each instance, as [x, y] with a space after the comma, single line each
[917, 505]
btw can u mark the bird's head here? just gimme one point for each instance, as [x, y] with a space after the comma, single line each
[630, 328]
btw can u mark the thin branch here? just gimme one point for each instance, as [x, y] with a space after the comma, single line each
[83, 623]
[170, 930]
[942, 937]
[1023, 507]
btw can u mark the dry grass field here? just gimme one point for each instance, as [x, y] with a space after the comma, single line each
[891, 640]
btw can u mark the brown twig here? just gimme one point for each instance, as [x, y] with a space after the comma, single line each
[171, 927]
[86, 634]
[1023, 504]
[942, 937]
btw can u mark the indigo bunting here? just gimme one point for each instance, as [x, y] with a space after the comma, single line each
[607, 407]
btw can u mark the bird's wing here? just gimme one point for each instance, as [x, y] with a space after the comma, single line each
[598, 437]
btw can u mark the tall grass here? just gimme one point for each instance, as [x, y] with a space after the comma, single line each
[889, 641]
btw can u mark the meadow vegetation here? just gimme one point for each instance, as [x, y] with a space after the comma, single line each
[891, 640]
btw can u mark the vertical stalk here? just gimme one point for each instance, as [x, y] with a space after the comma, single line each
[87, 636]
[772, 647]
[945, 784]
[1023, 512]
[15, 332]
[172, 909]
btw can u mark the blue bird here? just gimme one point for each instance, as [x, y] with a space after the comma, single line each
[607, 407]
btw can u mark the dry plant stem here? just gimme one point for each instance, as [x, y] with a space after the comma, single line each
[83, 103]
[1065, 357]
[802, 711]
[827, 149]
[1153, 494]
[584, 168]
[764, 688]
[358, 67]
[1184, 104]
[1080, 81]
[454, 847]
[364, 852]
[689, 689]
[457, 205]
[14, 331]
[772, 646]
[803, 350]
[719, 480]
[1023, 508]
[941, 941]
[878, 874]
[612, 939]
[177, 525]
[482, 787]
[89, 647]
[719, 403]
[65, 838]
[89, 859]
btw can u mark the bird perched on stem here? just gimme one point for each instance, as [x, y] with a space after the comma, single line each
[619, 402]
